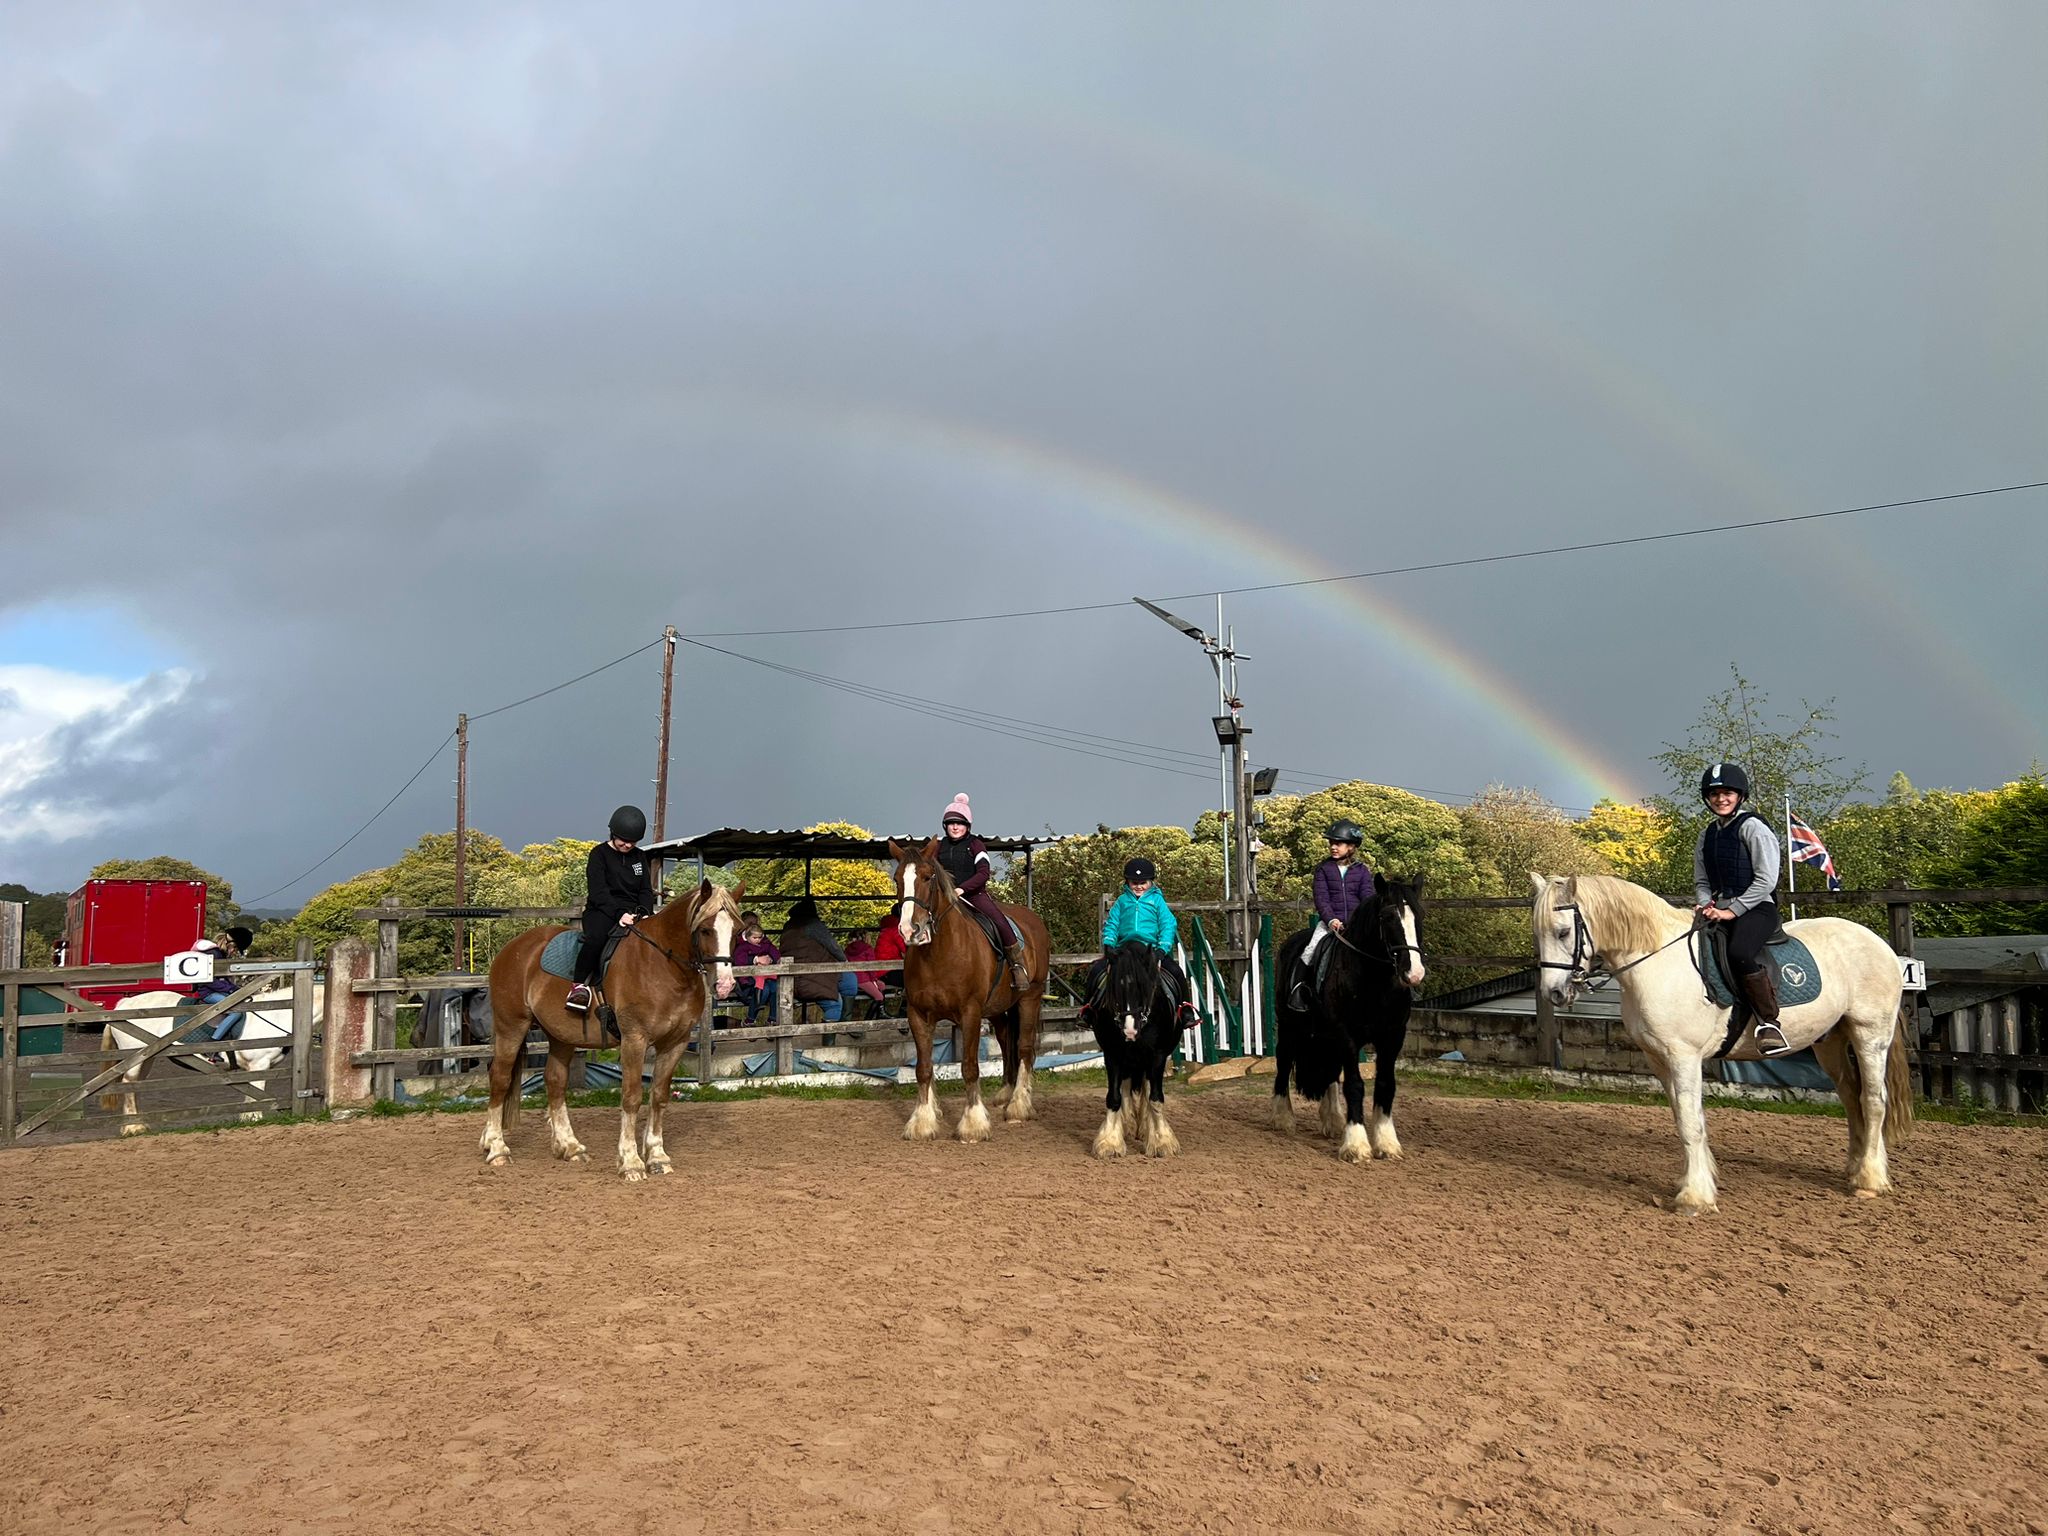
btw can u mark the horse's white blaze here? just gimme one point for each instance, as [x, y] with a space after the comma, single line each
[1109, 1141]
[1130, 1026]
[1414, 974]
[1379, 1130]
[906, 887]
[722, 927]
[1356, 1147]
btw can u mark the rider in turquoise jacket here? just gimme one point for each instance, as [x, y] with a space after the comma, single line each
[1140, 912]
[1136, 916]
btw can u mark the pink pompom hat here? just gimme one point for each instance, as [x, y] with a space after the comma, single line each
[959, 809]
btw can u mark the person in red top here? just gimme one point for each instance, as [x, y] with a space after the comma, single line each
[867, 983]
[889, 946]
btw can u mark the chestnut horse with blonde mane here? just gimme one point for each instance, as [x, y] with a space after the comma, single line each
[659, 986]
[952, 972]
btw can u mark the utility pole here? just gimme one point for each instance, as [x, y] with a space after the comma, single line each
[668, 691]
[461, 838]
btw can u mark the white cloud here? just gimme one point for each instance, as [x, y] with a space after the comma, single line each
[81, 754]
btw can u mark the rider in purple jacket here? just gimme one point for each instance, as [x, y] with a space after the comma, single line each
[1343, 885]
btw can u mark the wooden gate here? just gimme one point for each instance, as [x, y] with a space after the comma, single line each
[49, 1076]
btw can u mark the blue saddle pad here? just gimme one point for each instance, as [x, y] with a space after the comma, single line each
[559, 958]
[1798, 973]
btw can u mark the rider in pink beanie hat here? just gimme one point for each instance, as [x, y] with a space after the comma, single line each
[963, 856]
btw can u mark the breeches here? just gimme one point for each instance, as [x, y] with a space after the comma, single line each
[597, 930]
[1746, 936]
[985, 904]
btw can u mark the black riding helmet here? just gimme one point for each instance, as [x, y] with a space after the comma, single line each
[628, 823]
[1346, 831]
[1724, 776]
[1139, 869]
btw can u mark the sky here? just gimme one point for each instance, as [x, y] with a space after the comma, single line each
[364, 365]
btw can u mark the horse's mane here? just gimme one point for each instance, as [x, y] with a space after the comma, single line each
[1623, 916]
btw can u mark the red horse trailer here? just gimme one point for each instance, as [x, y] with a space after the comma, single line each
[131, 922]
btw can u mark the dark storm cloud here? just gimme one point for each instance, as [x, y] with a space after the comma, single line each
[378, 363]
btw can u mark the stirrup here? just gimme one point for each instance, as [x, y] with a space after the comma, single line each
[578, 1000]
[1770, 1039]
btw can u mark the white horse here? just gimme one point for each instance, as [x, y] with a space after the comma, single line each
[265, 1036]
[1589, 922]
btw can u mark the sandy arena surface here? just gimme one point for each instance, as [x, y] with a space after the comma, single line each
[816, 1326]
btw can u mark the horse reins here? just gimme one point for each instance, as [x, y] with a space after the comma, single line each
[1586, 956]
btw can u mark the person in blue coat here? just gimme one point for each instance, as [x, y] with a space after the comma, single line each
[1140, 912]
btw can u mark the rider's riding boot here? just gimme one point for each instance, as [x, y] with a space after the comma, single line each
[1020, 966]
[1760, 987]
[578, 1000]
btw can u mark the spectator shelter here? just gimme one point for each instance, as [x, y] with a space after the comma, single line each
[728, 844]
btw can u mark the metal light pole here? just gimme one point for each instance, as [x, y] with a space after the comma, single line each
[461, 838]
[1231, 732]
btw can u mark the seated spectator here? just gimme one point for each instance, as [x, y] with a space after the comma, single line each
[860, 947]
[807, 940]
[753, 948]
[889, 946]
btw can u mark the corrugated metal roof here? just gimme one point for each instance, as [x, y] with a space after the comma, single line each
[729, 843]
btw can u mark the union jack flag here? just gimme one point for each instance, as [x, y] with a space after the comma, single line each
[1807, 848]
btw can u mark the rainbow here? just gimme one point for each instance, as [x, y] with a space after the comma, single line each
[1208, 176]
[1045, 475]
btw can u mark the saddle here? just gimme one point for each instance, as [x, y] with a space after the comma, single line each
[999, 940]
[1797, 974]
[559, 959]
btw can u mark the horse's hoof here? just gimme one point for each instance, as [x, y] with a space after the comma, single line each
[1165, 1144]
[133, 1130]
[634, 1175]
[1105, 1148]
[1864, 1194]
[661, 1165]
[1280, 1114]
[1354, 1148]
[497, 1159]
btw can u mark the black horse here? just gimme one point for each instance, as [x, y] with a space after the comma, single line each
[1369, 975]
[1134, 1018]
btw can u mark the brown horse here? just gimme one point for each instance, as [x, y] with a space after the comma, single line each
[658, 986]
[951, 972]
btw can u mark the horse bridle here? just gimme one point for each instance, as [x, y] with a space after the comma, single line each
[926, 928]
[1585, 963]
[1393, 953]
[697, 962]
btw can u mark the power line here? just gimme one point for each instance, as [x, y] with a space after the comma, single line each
[359, 831]
[423, 767]
[579, 677]
[1061, 738]
[1396, 570]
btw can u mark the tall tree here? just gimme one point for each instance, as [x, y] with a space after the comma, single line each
[220, 894]
[1786, 753]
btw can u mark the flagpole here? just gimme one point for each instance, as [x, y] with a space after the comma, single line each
[1789, 860]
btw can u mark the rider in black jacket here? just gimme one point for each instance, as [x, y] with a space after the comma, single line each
[621, 893]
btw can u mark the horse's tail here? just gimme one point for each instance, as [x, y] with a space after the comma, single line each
[1898, 1085]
